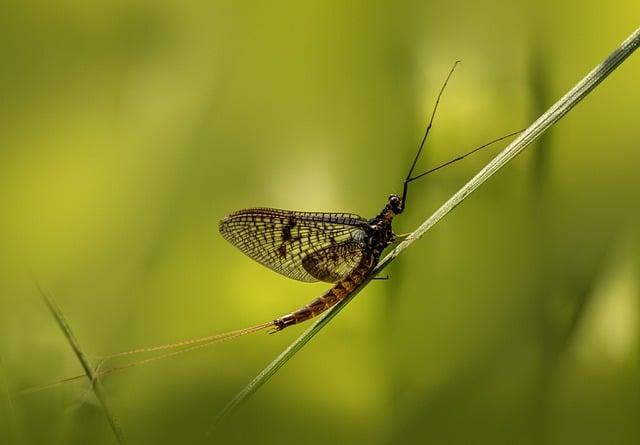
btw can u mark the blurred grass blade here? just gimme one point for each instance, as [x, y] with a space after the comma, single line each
[8, 429]
[551, 116]
[86, 365]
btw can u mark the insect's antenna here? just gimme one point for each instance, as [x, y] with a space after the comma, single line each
[461, 157]
[408, 179]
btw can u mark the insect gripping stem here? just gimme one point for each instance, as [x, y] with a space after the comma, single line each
[337, 256]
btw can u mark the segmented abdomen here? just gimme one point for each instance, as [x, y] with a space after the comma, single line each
[338, 292]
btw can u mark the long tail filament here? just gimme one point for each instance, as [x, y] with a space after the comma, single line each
[181, 346]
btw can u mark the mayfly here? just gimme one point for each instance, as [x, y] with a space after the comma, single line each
[338, 248]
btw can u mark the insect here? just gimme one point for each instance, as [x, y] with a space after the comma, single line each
[339, 248]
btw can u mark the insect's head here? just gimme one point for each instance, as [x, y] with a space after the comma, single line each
[394, 203]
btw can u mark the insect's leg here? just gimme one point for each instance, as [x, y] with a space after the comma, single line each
[401, 237]
[386, 277]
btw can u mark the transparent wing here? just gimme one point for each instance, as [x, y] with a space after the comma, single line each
[333, 262]
[304, 246]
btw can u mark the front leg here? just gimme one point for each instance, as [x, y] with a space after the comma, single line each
[400, 238]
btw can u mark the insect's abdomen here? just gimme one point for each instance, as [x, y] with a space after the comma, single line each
[338, 292]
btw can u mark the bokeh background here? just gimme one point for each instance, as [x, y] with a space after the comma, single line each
[129, 129]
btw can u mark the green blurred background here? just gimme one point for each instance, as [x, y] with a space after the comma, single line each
[128, 129]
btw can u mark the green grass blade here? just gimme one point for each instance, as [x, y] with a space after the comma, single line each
[543, 123]
[8, 415]
[86, 365]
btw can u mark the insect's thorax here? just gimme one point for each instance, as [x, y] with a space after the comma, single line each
[379, 231]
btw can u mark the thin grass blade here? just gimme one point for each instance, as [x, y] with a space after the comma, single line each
[8, 428]
[96, 385]
[543, 123]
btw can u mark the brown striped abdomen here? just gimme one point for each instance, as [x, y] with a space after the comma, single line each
[338, 292]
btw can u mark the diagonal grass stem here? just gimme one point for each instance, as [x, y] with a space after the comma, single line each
[543, 123]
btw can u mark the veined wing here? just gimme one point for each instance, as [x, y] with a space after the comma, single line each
[304, 246]
[333, 262]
